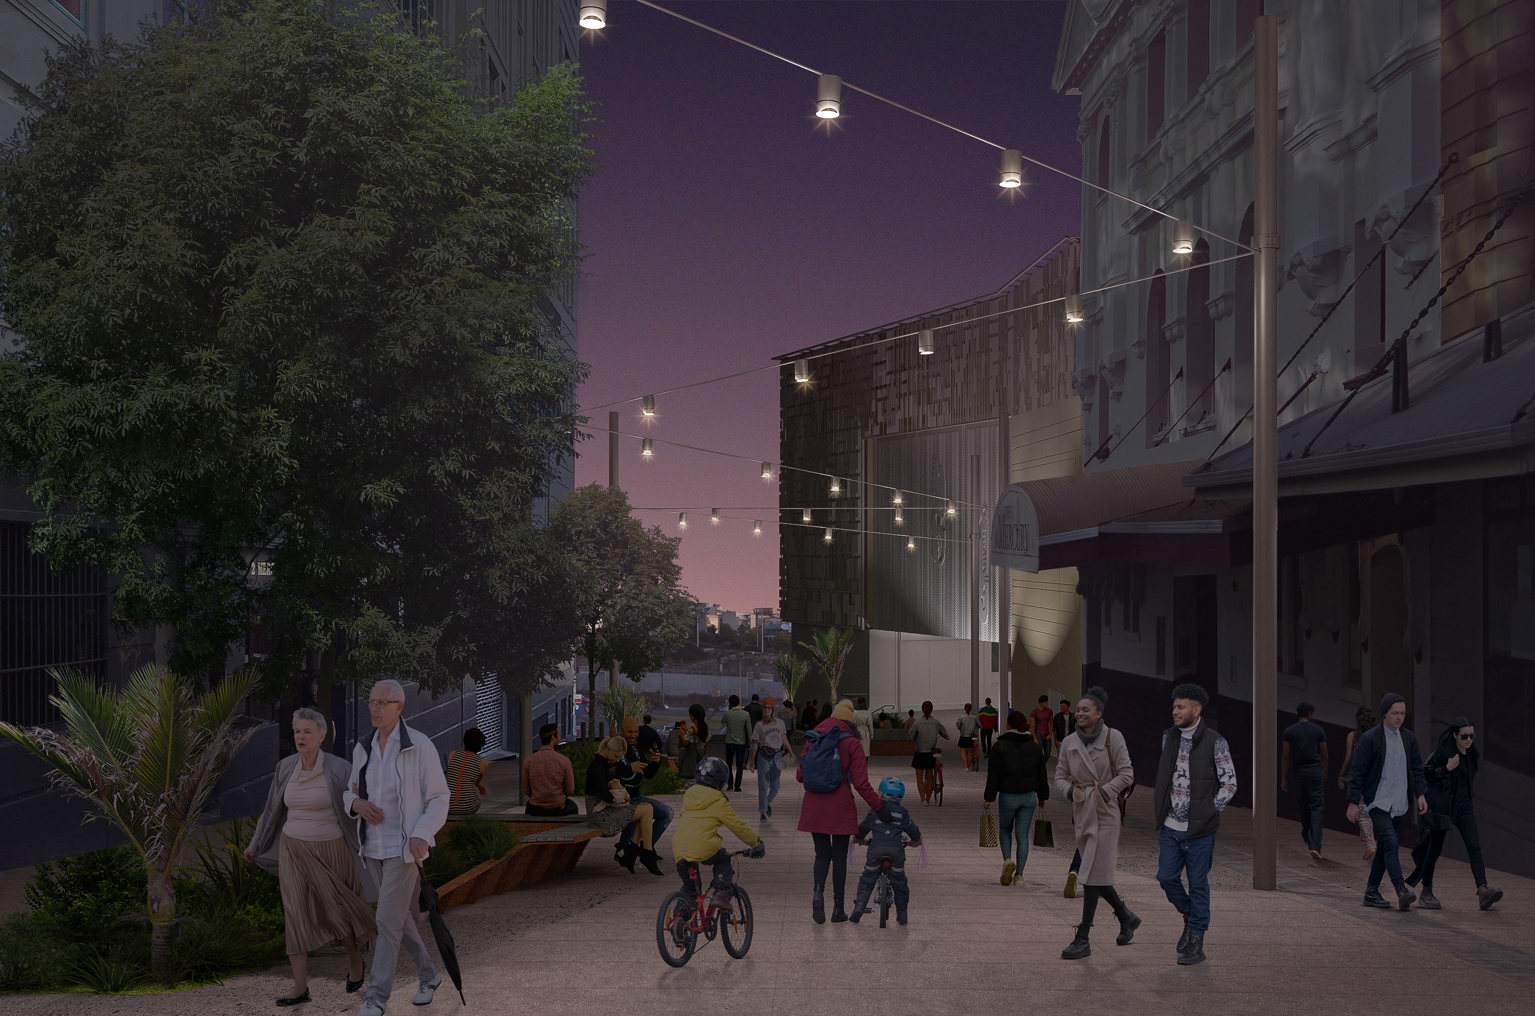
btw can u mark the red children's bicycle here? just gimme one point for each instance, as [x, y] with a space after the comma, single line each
[938, 778]
[689, 913]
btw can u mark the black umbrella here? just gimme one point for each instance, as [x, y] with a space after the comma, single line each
[445, 947]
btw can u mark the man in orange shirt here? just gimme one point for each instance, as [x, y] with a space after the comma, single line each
[548, 779]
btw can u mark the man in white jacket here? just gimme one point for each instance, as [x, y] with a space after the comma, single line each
[400, 796]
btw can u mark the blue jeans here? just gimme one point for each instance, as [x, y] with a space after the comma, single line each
[1179, 854]
[1014, 814]
[1386, 860]
[768, 772]
[663, 818]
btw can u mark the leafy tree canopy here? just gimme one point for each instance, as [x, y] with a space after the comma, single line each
[277, 274]
[632, 609]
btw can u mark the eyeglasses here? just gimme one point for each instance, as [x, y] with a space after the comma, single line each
[379, 703]
[1466, 737]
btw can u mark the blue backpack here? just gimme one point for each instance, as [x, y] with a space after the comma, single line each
[821, 766]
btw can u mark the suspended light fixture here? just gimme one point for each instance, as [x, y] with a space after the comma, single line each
[828, 97]
[836, 487]
[594, 14]
[767, 470]
[827, 537]
[911, 543]
[925, 342]
[897, 499]
[900, 518]
[1073, 308]
[952, 511]
[1183, 237]
[682, 520]
[802, 372]
[648, 408]
[805, 516]
[647, 449]
[1012, 169]
[757, 528]
[714, 516]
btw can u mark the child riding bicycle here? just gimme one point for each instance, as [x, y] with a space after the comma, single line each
[887, 841]
[697, 840]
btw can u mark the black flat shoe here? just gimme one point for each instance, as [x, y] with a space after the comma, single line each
[352, 987]
[294, 1000]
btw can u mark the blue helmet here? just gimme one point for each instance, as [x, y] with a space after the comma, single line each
[891, 789]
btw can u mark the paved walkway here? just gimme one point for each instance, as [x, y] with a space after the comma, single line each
[585, 944]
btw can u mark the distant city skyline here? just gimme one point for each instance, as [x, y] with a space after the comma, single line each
[726, 225]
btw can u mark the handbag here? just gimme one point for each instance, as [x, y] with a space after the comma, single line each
[988, 829]
[1044, 832]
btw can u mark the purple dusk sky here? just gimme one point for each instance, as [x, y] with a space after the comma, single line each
[726, 225]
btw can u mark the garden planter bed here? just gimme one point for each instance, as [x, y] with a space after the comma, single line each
[536, 856]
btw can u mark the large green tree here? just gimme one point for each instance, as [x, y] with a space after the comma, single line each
[631, 607]
[278, 274]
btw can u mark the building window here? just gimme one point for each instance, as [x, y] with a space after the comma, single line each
[1242, 322]
[1369, 300]
[1199, 44]
[1247, 12]
[1198, 342]
[1159, 397]
[1105, 154]
[1156, 84]
[1508, 709]
[74, 8]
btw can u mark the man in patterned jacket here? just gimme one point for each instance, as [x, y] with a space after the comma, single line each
[1195, 781]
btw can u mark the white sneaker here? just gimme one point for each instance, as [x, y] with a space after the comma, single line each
[424, 993]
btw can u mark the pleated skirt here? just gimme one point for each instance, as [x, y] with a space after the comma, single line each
[322, 895]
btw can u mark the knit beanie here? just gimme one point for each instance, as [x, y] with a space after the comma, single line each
[843, 711]
[1388, 700]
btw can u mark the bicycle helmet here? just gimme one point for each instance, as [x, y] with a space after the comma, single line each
[891, 789]
[712, 772]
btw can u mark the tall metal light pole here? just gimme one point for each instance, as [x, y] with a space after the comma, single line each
[1265, 443]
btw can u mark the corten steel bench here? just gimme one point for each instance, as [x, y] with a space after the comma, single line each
[545, 848]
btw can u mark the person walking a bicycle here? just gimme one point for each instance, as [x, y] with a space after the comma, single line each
[887, 838]
[696, 838]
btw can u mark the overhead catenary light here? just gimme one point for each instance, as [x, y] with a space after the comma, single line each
[1012, 169]
[836, 487]
[757, 527]
[1073, 308]
[925, 342]
[952, 511]
[767, 470]
[900, 517]
[805, 516]
[802, 372]
[827, 537]
[682, 520]
[647, 449]
[594, 14]
[828, 97]
[911, 543]
[648, 407]
[714, 516]
[897, 499]
[1183, 237]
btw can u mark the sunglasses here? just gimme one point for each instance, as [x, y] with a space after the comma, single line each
[1466, 737]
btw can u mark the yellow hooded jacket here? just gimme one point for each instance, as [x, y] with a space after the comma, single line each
[696, 834]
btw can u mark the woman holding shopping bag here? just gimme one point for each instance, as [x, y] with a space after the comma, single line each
[1016, 780]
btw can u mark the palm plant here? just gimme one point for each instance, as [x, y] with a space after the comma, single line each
[831, 648]
[791, 671]
[148, 757]
[618, 702]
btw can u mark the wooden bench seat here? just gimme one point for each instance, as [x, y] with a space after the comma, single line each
[545, 848]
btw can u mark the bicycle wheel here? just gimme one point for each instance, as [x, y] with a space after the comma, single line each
[736, 924]
[674, 938]
[938, 794]
[883, 893]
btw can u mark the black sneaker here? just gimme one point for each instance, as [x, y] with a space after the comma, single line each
[1405, 898]
[1373, 898]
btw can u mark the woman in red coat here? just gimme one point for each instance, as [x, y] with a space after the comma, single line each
[831, 818]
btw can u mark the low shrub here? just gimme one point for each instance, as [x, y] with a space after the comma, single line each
[79, 895]
[580, 754]
[666, 781]
[109, 971]
[226, 939]
[469, 841]
[31, 957]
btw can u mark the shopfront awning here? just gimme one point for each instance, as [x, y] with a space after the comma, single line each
[1058, 522]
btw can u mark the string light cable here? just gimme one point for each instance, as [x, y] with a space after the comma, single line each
[823, 527]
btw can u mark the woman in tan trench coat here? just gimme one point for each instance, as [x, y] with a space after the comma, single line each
[1091, 770]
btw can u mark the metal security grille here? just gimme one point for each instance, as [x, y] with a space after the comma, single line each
[47, 619]
[490, 713]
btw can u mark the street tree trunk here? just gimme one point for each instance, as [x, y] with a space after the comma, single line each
[162, 922]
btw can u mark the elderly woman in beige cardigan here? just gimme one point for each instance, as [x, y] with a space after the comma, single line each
[1091, 770]
[306, 831]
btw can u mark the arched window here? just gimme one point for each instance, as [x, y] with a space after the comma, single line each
[1105, 153]
[1198, 340]
[1158, 361]
[1242, 353]
[1198, 45]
